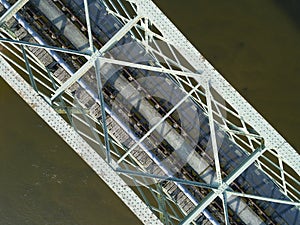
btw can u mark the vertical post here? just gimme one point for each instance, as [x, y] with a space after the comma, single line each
[88, 24]
[103, 114]
[32, 81]
[163, 215]
[225, 208]
[213, 136]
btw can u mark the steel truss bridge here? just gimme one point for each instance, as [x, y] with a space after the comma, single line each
[118, 82]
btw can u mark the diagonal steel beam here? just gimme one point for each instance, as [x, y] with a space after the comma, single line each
[31, 78]
[166, 178]
[103, 116]
[79, 73]
[91, 61]
[151, 68]
[213, 136]
[262, 198]
[225, 208]
[78, 144]
[222, 188]
[158, 123]
[282, 175]
[52, 48]
[12, 11]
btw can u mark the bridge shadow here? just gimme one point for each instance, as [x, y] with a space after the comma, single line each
[292, 8]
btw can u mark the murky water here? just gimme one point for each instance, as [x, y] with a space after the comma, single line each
[254, 44]
[42, 180]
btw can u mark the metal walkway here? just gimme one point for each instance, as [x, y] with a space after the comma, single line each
[163, 129]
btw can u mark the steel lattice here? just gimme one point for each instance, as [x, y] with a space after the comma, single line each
[187, 144]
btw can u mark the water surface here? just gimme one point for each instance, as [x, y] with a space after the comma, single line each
[255, 45]
[42, 180]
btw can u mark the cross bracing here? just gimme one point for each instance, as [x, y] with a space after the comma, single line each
[190, 148]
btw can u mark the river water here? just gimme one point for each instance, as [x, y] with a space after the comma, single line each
[254, 44]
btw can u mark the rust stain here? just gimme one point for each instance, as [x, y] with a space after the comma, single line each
[33, 105]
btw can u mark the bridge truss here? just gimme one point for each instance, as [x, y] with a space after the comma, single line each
[142, 180]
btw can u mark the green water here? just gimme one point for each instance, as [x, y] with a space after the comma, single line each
[254, 44]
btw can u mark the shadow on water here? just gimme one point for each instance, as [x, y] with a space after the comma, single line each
[292, 7]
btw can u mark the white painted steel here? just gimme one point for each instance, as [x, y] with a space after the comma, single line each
[12, 11]
[150, 68]
[158, 123]
[88, 24]
[222, 187]
[77, 143]
[91, 61]
[273, 139]
[213, 134]
[244, 195]
[172, 36]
